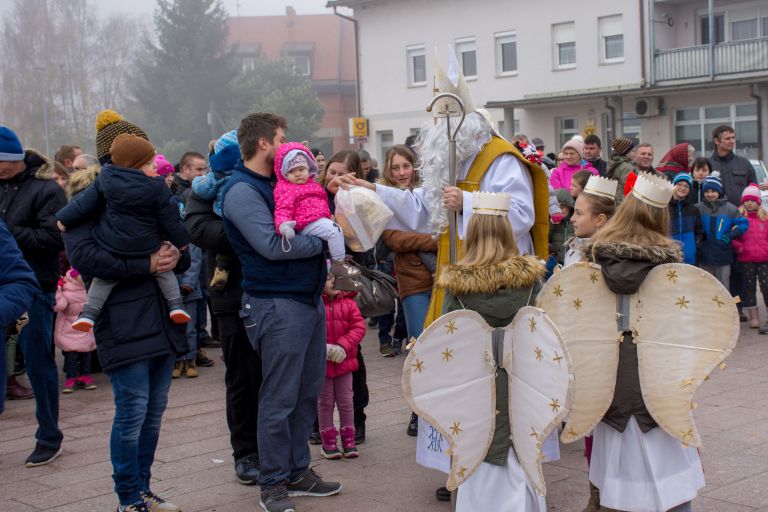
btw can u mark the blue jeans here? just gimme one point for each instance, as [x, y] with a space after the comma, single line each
[141, 394]
[193, 335]
[396, 318]
[3, 369]
[35, 344]
[416, 307]
[289, 336]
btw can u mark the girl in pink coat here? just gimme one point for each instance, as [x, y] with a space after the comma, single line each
[76, 346]
[345, 329]
[301, 204]
[752, 253]
[562, 175]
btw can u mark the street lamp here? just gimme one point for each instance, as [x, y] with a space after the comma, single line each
[41, 70]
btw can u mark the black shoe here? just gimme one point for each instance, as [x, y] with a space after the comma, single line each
[442, 494]
[413, 426]
[42, 456]
[314, 438]
[310, 483]
[202, 359]
[359, 434]
[276, 499]
[397, 347]
[209, 342]
[743, 317]
[248, 469]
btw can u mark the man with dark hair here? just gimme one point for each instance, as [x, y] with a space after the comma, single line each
[283, 314]
[592, 148]
[66, 156]
[370, 173]
[191, 165]
[644, 158]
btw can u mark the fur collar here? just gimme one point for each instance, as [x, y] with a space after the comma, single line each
[45, 171]
[651, 253]
[79, 181]
[517, 272]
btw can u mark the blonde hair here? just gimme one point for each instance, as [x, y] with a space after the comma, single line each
[405, 152]
[638, 223]
[489, 241]
[600, 204]
[761, 213]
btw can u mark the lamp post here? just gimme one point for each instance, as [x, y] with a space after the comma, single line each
[41, 70]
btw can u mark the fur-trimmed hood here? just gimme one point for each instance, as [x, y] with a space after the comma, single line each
[41, 166]
[80, 180]
[625, 265]
[518, 272]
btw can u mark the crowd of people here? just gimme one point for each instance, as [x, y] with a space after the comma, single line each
[132, 255]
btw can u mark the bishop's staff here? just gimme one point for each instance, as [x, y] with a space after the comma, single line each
[448, 112]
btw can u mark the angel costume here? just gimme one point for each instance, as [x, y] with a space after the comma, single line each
[495, 384]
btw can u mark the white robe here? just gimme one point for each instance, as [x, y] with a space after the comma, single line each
[506, 174]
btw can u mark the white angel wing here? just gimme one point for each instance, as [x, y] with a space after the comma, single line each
[448, 380]
[584, 310]
[687, 324]
[540, 386]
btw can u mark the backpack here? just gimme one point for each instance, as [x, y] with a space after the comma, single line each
[377, 294]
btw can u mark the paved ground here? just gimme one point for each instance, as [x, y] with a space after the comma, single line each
[194, 468]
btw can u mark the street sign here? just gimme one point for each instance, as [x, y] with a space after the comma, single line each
[358, 127]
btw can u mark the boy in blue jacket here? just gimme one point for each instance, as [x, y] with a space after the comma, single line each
[684, 219]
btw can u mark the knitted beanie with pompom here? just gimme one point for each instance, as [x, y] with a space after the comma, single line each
[110, 124]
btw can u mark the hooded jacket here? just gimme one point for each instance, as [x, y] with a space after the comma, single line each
[685, 227]
[674, 161]
[624, 267]
[70, 298]
[28, 205]
[18, 286]
[304, 203]
[497, 292]
[721, 222]
[620, 168]
[752, 247]
[344, 326]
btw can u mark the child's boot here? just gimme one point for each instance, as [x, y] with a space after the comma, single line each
[178, 314]
[754, 319]
[87, 319]
[69, 386]
[219, 280]
[348, 443]
[344, 269]
[330, 448]
[87, 382]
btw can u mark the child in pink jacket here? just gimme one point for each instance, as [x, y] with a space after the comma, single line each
[76, 346]
[301, 204]
[752, 253]
[345, 329]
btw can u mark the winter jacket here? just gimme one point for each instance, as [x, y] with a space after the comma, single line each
[560, 233]
[28, 205]
[752, 247]
[619, 169]
[674, 161]
[599, 164]
[412, 275]
[70, 298]
[736, 174]
[497, 292]
[179, 187]
[136, 212]
[344, 326]
[563, 175]
[18, 286]
[721, 222]
[303, 203]
[575, 250]
[624, 267]
[685, 227]
[696, 195]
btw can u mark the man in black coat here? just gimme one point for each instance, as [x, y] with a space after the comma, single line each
[29, 198]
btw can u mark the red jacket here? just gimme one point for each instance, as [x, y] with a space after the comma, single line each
[344, 327]
[752, 246]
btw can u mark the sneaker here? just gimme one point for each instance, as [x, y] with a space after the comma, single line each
[136, 507]
[87, 382]
[69, 386]
[248, 469]
[397, 347]
[330, 449]
[179, 316]
[14, 390]
[276, 499]
[191, 369]
[158, 504]
[314, 437]
[309, 483]
[220, 278]
[42, 456]
[178, 369]
[386, 350]
[343, 269]
[203, 360]
[413, 426]
[348, 449]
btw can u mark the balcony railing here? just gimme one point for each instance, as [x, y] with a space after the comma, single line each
[729, 58]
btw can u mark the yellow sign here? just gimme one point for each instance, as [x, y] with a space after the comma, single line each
[359, 127]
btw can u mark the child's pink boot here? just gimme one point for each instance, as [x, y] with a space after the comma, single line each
[87, 382]
[69, 386]
[330, 448]
[348, 443]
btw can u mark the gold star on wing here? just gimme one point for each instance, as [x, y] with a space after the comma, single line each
[593, 277]
[447, 354]
[672, 275]
[682, 302]
[532, 323]
[418, 365]
[456, 428]
[686, 436]
[577, 304]
[555, 405]
[450, 327]
[557, 358]
[571, 432]
[558, 291]
[685, 383]
[461, 472]
[534, 434]
[717, 301]
[539, 354]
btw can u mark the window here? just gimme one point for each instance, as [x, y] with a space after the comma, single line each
[302, 64]
[569, 126]
[564, 45]
[765, 26]
[611, 39]
[386, 140]
[744, 29]
[506, 53]
[467, 55]
[719, 28]
[248, 63]
[695, 124]
[417, 66]
[631, 126]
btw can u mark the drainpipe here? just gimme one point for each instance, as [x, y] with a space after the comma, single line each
[711, 15]
[652, 36]
[609, 106]
[761, 118]
[357, 60]
[641, 4]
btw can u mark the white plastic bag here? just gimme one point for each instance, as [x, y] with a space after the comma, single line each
[362, 217]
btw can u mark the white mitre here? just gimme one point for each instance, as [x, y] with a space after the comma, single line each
[602, 187]
[653, 190]
[490, 203]
[451, 81]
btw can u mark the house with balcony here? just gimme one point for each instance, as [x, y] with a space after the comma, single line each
[657, 71]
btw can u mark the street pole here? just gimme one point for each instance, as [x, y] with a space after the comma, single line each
[45, 109]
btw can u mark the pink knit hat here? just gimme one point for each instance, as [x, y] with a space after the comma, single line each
[751, 193]
[576, 145]
[163, 166]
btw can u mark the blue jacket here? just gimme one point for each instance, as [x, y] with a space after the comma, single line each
[136, 212]
[18, 285]
[685, 227]
[269, 270]
[721, 222]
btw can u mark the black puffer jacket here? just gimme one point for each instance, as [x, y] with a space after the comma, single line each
[28, 205]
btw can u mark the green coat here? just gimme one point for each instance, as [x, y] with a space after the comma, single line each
[619, 167]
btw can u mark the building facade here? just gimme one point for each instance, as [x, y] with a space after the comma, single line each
[638, 68]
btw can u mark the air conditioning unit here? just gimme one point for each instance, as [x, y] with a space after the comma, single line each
[650, 106]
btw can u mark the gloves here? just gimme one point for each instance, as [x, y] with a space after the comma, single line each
[557, 218]
[286, 229]
[336, 354]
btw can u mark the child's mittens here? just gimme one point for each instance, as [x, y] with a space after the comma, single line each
[286, 229]
[557, 218]
[336, 354]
